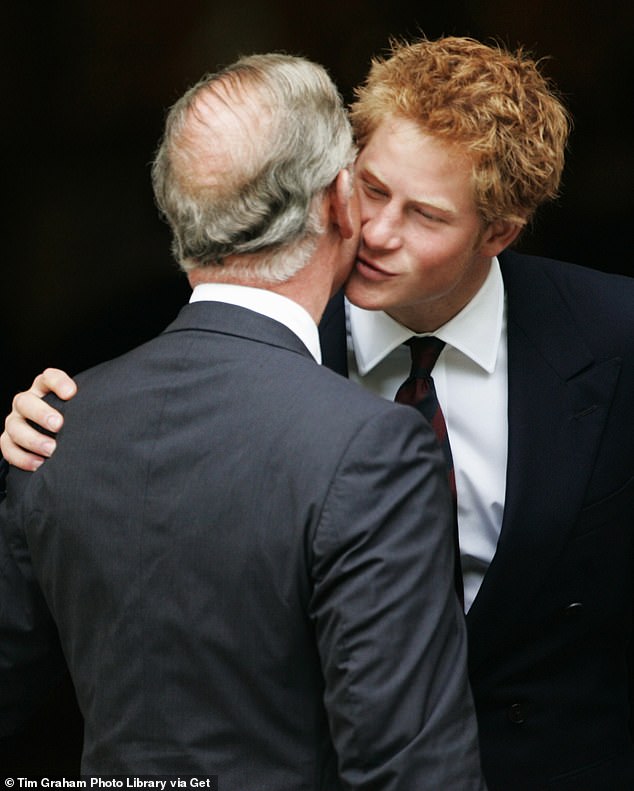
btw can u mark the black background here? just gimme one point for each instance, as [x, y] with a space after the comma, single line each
[87, 271]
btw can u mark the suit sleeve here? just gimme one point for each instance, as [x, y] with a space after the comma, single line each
[31, 661]
[390, 631]
[4, 468]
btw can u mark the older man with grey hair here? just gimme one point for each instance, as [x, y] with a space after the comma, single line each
[244, 558]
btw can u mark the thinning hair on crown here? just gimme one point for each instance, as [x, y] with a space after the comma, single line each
[251, 192]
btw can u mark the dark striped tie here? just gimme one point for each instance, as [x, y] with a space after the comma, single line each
[418, 391]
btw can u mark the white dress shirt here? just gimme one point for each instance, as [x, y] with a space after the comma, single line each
[471, 378]
[268, 303]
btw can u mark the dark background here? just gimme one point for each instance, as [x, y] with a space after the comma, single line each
[87, 271]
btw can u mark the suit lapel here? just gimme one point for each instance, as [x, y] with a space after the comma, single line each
[332, 335]
[559, 397]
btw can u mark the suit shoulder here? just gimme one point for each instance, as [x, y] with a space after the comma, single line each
[564, 272]
[335, 392]
[593, 297]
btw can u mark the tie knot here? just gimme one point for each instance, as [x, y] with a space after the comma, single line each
[425, 352]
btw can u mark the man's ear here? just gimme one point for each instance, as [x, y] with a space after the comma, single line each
[342, 204]
[498, 236]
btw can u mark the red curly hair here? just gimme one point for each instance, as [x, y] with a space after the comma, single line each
[493, 104]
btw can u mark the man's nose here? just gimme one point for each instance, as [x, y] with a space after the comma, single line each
[380, 229]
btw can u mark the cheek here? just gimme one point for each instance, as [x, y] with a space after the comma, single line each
[438, 250]
[430, 263]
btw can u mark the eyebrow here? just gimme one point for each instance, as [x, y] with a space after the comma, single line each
[437, 204]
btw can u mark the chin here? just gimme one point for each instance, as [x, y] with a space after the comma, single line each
[363, 296]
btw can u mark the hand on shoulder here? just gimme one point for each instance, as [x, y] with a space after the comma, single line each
[21, 444]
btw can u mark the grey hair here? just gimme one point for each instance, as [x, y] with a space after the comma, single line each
[296, 140]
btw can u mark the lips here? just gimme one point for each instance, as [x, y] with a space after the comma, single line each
[371, 271]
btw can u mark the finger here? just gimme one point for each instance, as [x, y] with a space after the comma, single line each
[53, 380]
[18, 457]
[29, 406]
[19, 434]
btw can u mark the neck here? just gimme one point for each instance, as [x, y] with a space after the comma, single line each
[310, 287]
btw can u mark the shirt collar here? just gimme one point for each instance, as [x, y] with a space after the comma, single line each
[268, 303]
[475, 331]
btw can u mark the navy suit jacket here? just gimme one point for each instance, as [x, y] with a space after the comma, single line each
[247, 561]
[550, 632]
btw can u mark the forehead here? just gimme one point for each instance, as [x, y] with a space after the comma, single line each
[408, 160]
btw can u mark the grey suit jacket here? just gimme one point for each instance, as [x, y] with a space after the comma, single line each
[247, 560]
